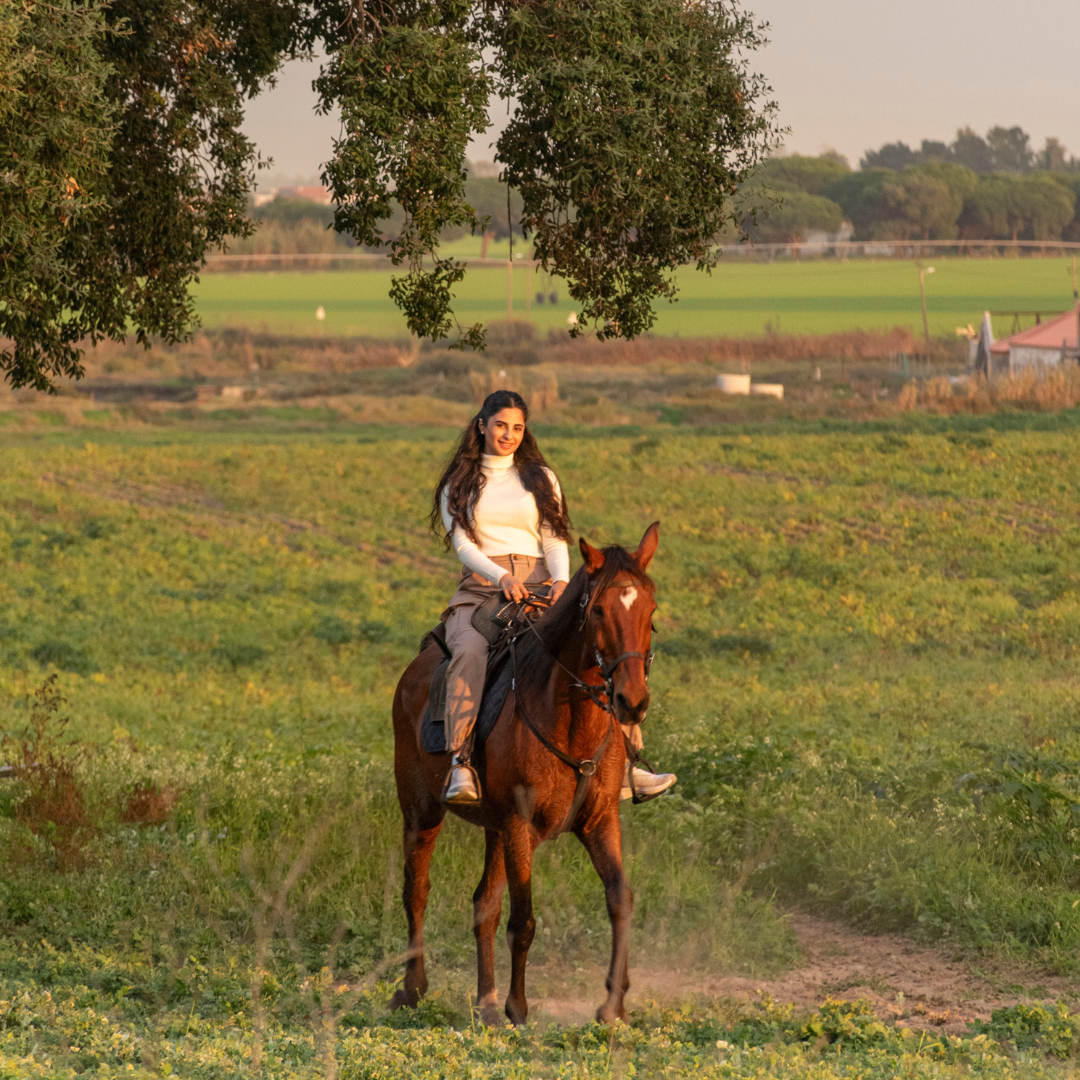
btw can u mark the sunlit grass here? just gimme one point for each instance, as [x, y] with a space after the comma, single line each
[736, 299]
[866, 679]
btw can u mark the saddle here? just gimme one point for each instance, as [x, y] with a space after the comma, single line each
[497, 620]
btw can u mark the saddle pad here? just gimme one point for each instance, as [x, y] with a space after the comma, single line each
[437, 690]
[432, 734]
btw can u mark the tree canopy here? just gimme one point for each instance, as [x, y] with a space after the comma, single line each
[636, 123]
[797, 215]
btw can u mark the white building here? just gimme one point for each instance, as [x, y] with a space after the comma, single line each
[1047, 343]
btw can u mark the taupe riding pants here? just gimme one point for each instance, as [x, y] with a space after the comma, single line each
[469, 648]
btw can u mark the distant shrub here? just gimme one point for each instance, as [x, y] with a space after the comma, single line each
[375, 632]
[329, 591]
[333, 631]
[239, 654]
[695, 643]
[97, 528]
[63, 656]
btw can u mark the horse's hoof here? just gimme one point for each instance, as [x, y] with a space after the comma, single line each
[516, 1015]
[403, 999]
[490, 1016]
[607, 1015]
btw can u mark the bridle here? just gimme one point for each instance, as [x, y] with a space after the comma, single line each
[584, 767]
[607, 668]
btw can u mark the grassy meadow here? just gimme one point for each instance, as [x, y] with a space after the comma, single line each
[866, 678]
[737, 299]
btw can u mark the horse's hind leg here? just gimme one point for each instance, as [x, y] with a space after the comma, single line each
[518, 844]
[420, 836]
[487, 909]
[604, 845]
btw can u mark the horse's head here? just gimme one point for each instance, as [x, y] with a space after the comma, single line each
[617, 609]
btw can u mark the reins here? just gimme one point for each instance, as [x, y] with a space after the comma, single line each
[584, 767]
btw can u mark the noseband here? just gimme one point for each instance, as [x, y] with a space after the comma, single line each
[607, 668]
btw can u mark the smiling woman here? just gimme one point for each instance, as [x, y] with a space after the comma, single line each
[502, 510]
[504, 513]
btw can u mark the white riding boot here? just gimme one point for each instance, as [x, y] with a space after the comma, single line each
[647, 785]
[462, 785]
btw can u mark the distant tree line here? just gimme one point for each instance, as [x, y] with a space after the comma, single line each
[928, 194]
[974, 189]
[292, 225]
[1005, 150]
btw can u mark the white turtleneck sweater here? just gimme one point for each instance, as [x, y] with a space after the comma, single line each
[507, 522]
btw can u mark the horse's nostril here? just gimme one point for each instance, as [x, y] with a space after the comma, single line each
[625, 705]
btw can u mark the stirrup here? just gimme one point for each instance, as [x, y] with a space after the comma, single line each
[630, 790]
[469, 793]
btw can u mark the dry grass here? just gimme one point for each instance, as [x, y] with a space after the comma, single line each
[148, 804]
[854, 345]
[540, 389]
[1037, 389]
[235, 354]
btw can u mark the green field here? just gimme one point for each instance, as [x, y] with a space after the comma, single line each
[866, 679]
[736, 300]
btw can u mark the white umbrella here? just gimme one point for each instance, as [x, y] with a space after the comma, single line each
[986, 339]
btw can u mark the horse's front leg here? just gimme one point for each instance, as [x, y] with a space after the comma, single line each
[419, 845]
[604, 845]
[487, 909]
[518, 847]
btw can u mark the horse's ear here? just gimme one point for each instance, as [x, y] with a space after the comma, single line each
[647, 548]
[593, 559]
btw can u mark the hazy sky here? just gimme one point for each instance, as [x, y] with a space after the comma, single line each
[847, 74]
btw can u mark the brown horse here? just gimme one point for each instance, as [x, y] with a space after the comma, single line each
[589, 651]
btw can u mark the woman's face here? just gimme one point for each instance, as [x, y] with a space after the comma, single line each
[503, 432]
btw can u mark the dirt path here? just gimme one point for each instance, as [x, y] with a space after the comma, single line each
[918, 986]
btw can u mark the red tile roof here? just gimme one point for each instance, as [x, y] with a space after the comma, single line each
[1047, 335]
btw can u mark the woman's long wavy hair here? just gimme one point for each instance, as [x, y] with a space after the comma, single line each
[463, 480]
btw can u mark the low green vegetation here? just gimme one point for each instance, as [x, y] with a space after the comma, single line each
[841, 1040]
[735, 300]
[866, 680]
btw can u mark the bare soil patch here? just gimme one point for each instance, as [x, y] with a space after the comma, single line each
[916, 986]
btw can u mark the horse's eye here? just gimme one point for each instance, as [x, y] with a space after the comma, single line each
[597, 610]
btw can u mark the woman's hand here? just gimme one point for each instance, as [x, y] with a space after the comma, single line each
[512, 589]
[557, 590]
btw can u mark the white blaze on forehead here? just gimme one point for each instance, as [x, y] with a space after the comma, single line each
[629, 596]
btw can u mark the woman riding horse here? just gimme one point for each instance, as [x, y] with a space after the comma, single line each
[505, 515]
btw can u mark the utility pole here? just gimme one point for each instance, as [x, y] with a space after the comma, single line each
[922, 294]
[510, 260]
[1076, 305]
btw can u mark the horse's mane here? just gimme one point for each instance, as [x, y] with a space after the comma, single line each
[536, 652]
